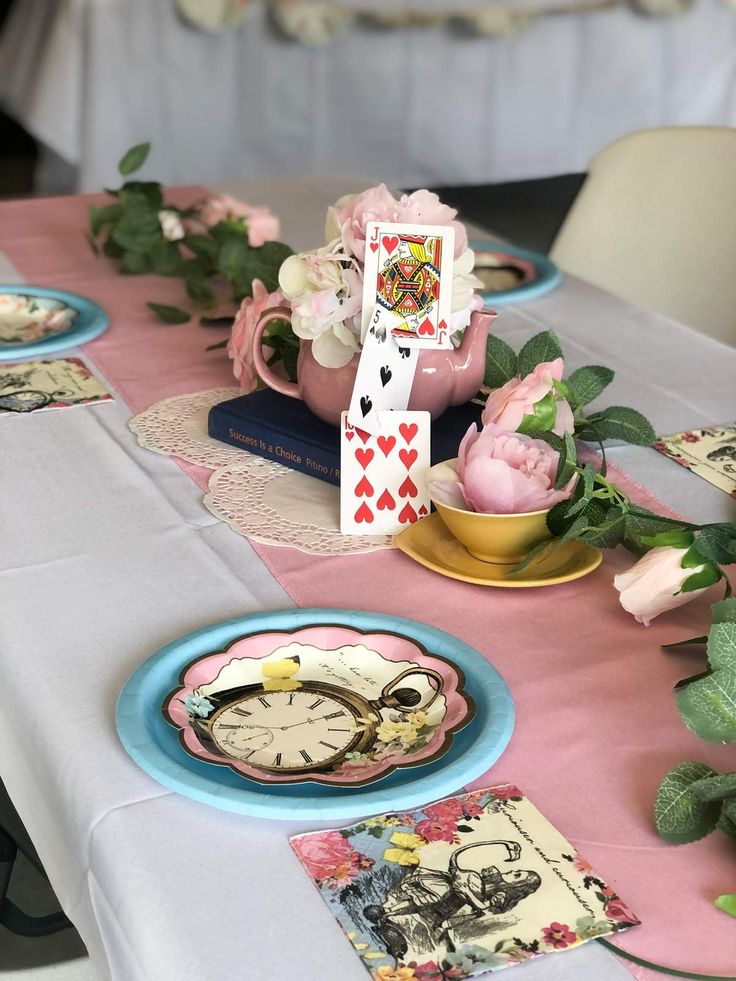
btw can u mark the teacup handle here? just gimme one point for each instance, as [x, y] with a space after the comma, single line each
[408, 699]
[269, 377]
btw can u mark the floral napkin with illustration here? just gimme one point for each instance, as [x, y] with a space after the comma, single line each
[470, 884]
[32, 386]
[709, 452]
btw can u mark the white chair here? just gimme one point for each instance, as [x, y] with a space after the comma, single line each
[655, 223]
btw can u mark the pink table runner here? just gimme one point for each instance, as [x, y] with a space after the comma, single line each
[597, 725]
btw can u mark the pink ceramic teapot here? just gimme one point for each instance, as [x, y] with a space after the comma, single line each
[443, 378]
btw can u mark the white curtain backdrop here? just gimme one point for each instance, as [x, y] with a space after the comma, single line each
[415, 106]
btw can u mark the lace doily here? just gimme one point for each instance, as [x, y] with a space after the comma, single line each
[256, 497]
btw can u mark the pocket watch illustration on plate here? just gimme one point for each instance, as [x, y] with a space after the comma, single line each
[295, 723]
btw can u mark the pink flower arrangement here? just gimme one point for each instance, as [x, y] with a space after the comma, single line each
[507, 406]
[558, 935]
[240, 342]
[502, 473]
[262, 224]
[330, 858]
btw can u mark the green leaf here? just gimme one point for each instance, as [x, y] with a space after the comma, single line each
[722, 646]
[541, 348]
[265, 262]
[232, 259]
[112, 249]
[217, 346]
[587, 383]
[92, 243]
[501, 362]
[568, 462]
[99, 218]
[727, 903]
[556, 442]
[719, 787]
[620, 422]
[680, 816]
[684, 643]
[583, 489]
[610, 528]
[727, 825]
[216, 321]
[134, 158]
[535, 553]
[138, 230]
[142, 194]
[205, 249]
[708, 706]
[718, 543]
[678, 538]
[166, 259]
[545, 414]
[134, 263]
[639, 527]
[197, 284]
[701, 580]
[170, 315]
[683, 682]
[724, 611]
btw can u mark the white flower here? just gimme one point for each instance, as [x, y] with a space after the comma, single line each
[654, 584]
[171, 225]
[464, 283]
[325, 289]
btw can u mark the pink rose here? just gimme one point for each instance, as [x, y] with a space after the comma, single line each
[240, 343]
[262, 224]
[436, 830]
[507, 406]
[506, 793]
[654, 584]
[349, 216]
[616, 909]
[445, 811]
[330, 858]
[502, 473]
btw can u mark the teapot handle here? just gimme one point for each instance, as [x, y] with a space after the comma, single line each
[264, 372]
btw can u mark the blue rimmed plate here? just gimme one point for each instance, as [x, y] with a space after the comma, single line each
[76, 321]
[513, 274]
[155, 745]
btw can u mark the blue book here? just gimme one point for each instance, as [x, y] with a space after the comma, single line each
[283, 429]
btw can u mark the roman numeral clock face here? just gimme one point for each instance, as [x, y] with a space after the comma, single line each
[286, 730]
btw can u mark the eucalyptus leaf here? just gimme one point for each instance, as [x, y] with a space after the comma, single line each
[719, 787]
[586, 384]
[680, 816]
[501, 362]
[722, 646]
[543, 347]
[724, 611]
[727, 903]
[134, 158]
[620, 422]
[170, 315]
[708, 706]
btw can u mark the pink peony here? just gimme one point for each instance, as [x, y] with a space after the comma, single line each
[329, 858]
[349, 216]
[240, 343]
[654, 584]
[502, 473]
[436, 830]
[507, 406]
[262, 224]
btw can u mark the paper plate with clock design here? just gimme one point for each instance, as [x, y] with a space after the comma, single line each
[320, 713]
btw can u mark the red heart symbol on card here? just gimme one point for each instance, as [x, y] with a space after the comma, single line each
[364, 488]
[364, 514]
[408, 457]
[422, 511]
[386, 443]
[349, 434]
[442, 325]
[408, 430]
[408, 514]
[426, 327]
[363, 457]
[385, 502]
[374, 246]
[363, 435]
[408, 488]
[390, 242]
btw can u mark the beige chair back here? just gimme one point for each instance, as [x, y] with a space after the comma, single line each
[655, 223]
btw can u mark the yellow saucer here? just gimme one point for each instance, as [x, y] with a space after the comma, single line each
[429, 542]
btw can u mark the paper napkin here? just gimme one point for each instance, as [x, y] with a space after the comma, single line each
[470, 884]
[709, 452]
[31, 386]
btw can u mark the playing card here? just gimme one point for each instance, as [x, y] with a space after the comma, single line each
[383, 479]
[408, 272]
[709, 452]
[33, 386]
[385, 374]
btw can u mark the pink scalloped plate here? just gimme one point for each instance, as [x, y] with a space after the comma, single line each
[399, 706]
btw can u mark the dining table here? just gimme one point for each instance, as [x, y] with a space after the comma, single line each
[107, 554]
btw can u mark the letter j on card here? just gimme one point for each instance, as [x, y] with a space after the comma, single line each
[383, 479]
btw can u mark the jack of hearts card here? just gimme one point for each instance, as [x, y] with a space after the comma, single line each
[383, 479]
[408, 271]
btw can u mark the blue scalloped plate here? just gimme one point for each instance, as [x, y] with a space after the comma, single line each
[91, 321]
[155, 747]
[545, 274]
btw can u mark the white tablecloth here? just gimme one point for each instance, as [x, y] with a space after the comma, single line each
[90, 78]
[106, 554]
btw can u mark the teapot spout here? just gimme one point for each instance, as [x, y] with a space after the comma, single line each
[473, 344]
